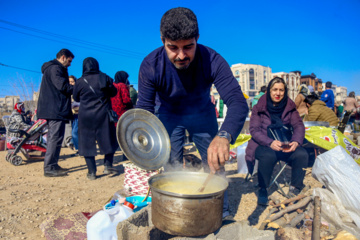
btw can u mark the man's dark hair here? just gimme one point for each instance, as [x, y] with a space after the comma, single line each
[328, 84]
[310, 99]
[263, 89]
[65, 52]
[179, 24]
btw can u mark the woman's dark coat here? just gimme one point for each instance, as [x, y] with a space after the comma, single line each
[260, 120]
[94, 123]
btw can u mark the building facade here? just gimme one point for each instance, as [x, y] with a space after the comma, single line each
[292, 80]
[340, 94]
[313, 81]
[7, 103]
[251, 77]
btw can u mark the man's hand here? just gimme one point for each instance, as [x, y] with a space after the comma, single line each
[276, 145]
[293, 146]
[218, 153]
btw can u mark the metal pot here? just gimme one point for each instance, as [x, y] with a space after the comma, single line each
[187, 214]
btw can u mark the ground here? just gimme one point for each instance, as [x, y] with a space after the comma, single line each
[27, 198]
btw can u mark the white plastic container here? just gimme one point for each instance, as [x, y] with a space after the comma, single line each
[102, 226]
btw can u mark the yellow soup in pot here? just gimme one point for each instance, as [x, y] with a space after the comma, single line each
[189, 187]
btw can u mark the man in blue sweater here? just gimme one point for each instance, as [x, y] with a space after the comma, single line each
[179, 76]
[328, 96]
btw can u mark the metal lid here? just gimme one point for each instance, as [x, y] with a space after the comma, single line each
[143, 139]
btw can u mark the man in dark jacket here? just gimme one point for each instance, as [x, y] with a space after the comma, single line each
[54, 105]
[179, 76]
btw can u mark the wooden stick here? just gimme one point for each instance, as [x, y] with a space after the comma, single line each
[266, 221]
[296, 220]
[208, 178]
[281, 222]
[316, 222]
[274, 199]
[298, 197]
[147, 194]
[291, 208]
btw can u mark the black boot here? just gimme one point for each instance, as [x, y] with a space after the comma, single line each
[263, 197]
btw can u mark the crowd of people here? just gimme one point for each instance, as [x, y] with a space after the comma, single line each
[174, 83]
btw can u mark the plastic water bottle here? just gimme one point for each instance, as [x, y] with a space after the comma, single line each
[126, 210]
[102, 226]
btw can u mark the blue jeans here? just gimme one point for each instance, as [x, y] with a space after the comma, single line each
[202, 127]
[74, 132]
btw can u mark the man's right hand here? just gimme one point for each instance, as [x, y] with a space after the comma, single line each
[218, 153]
[276, 145]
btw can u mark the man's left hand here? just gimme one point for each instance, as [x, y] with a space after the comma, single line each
[293, 146]
[218, 153]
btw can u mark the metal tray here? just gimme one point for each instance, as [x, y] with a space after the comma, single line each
[316, 123]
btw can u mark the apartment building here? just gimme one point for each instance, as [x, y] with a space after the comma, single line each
[251, 77]
[7, 103]
[292, 80]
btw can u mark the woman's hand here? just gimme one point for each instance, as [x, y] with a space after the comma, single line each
[293, 146]
[276, 145]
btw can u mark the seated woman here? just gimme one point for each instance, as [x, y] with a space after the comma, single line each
[272, 113]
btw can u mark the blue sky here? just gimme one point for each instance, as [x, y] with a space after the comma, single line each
[321, 37]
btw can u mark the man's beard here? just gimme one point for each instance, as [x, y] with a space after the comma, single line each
[182, 67]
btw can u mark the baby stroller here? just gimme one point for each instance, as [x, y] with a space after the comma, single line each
[32, 139]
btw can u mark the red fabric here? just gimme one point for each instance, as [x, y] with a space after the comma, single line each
[27, 147]
[122, 101]
[19, 107]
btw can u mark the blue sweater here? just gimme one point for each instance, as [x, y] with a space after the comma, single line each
[328, 97]
[187, 91]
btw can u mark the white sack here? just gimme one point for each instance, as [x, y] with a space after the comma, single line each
[341, 175]
[334, 212]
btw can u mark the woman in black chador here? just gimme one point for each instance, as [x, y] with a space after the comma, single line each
[94, 90]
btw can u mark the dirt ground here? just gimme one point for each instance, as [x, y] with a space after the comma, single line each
[27, 198]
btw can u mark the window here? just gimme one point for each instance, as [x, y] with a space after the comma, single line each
[237, 72]
[264, 77]
[252, 94]
[252, 79]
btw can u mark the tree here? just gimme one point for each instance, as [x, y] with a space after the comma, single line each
[24, 89]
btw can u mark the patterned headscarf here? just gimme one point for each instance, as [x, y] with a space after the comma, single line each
[20, 107]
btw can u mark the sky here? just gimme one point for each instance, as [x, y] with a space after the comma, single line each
[320, 37]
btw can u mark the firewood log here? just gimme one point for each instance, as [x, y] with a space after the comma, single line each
[298, 197]
[316, 221]
[266, 221]
[291, 208]
[281, 222]
[296, 220]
